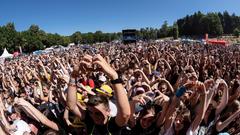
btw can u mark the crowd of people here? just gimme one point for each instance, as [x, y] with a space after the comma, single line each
[168, 88]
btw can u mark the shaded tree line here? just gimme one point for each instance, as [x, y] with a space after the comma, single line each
[213, 23]
[196, 24]
[150, 33]
[35, 38]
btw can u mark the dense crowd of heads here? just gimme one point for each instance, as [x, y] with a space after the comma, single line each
[167, 88]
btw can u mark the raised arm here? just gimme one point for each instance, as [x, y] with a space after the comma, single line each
[72, 93]
[201, 108]
[42, 97]
[224, 99]
[3, 82]
[11, 83]
[168, 66]
[35, 74]
[3, 120]
[174, 103]
[170, 113]
[210, 88]
[156, 51]
[62, 67]
[66, 117]
[123, 106]
[236, 95]
[139, 99]
[50, 94]
[172, 58]
[169, 86]
[35, 113]
[223, 124]
[143, 75]
[135, 57]
[25, 78]
[147, 67]
[163, 101]
[44, 69]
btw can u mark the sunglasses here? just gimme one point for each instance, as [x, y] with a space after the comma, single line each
[95, 113]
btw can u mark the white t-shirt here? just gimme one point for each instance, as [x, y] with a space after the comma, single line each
[113, 109]
[21, 127]
[190, 132]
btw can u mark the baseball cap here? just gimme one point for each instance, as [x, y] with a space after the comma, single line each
[105, 89]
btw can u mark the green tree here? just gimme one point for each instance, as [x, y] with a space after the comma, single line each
[175, 31]
[98, 36]
[164, 31]
[76, 37]
[114, 36]
[211, 24]
[53, 39]
[8, 36]
[33, 39]
[227, 24]
[34, 29]
[66, 40]
[88, 38]
[197, 24]
[236, 32]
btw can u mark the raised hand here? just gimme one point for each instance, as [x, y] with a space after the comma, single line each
[200, 87]
[161, 99]
[142, 98]
[107, 69]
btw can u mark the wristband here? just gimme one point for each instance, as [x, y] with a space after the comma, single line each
[117, 81]
[72, 82]
[181, 91]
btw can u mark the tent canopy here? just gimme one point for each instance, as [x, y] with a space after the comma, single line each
[5, 54]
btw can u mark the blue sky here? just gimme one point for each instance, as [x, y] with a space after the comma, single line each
[67, 16]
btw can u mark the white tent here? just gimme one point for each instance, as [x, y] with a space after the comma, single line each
[5, 54]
